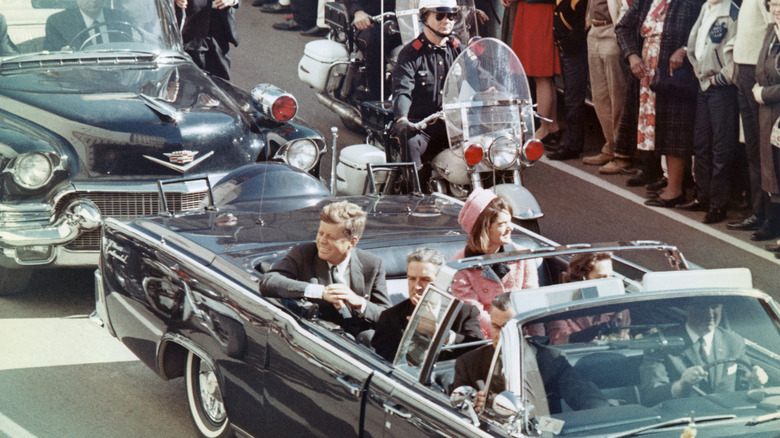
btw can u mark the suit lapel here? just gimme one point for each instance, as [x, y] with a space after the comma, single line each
[321, 270]
[358, 282]
[718, 352]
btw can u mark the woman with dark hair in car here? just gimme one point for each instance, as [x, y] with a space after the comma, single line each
[488, 218]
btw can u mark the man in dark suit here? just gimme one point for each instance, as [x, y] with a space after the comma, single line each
[64, 26]
[560, 380]
[7, 46]
[347, 283]
[422, 265]
[208, 31]
[688, 372]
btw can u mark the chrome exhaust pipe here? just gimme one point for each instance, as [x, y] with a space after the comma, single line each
[341, 110]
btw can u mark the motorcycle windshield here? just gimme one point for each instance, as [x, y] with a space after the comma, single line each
[486, 97]
[408, 16]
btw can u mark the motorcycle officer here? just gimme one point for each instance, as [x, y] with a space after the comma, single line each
[418, 82]
[369, 40]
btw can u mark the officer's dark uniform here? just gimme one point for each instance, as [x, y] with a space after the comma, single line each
[369, 42]
[418, 81]
[207, 35]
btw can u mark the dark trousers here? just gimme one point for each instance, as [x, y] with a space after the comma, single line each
[574, 68]
[748, 109]
[304, 12]
[625, 139]
[716, 134]
[369, 42]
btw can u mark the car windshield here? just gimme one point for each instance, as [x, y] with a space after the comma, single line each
[642, 361]
[79, 26]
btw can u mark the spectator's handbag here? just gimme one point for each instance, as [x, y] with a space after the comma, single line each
[774, 138]
[682, 82]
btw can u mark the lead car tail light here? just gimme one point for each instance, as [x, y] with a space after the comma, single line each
[271, 101]
[473, 154]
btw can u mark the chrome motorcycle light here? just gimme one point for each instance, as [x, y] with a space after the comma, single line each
[272, 101]
[32, 170]
[302, 154]
[503, 152]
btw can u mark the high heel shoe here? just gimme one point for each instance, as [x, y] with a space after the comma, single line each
[553, 139]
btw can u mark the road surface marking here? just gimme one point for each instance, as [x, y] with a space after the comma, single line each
[670, 213]
[46, 342]
[13, 430]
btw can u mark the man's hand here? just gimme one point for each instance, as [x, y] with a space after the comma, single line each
[637, 65]
[757, 91]
[690, 377]
[182, 4]
[676, 61]
[757, 378]
[404, 128]
[482, 17]
[362, 20]
[222, 4]
[340, 294]
[480, 403]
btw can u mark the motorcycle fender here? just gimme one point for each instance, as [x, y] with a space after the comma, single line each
[451, 167]
[524, 205]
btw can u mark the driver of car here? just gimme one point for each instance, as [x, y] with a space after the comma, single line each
[7, 46]
[707, 364]
[63, 27]
[418, 82]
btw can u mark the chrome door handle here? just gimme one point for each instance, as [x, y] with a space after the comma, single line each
[396, 410]
[353, 388]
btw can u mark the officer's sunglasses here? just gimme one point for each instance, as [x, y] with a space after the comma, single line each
[452, 16]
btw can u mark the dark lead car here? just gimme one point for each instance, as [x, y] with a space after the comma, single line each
[87, 130]
[181, 291]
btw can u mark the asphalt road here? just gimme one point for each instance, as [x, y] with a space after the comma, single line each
[62, 376]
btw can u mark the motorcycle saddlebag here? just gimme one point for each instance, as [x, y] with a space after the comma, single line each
[336, 15]
[377, 114]
[323, 64]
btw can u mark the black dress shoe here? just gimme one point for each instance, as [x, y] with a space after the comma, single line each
[553, 139]
[766, 232]
[714, 216]
[288, 24]
[751, 222]
[665, 203]
[275, 8]
[315, 32]
[694, 205]
[637, 179]
[260, 3]
[563, 154]
[657, 185]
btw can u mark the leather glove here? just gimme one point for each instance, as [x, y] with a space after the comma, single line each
[594, 331]
[404, 128]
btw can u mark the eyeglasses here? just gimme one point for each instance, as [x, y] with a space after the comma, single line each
[452, 16]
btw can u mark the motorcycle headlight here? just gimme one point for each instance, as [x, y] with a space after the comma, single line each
[32, 171]
[302, 154]
[503, 152]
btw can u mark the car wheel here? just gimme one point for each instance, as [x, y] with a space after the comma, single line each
[13, 281]
[204, 397]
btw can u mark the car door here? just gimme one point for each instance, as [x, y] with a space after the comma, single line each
[314, 381]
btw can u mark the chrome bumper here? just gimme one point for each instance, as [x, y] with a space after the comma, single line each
[100, 315]
[36, 245]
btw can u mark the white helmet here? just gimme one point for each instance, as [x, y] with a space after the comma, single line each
[446, 6]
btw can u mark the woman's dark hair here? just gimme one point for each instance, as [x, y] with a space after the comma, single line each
[478, 240]
[582, 264]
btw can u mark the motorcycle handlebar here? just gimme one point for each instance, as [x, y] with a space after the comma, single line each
[422, 124]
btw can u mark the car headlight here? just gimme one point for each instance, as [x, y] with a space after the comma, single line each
[32, 170]
[302, 154]
[503, 152]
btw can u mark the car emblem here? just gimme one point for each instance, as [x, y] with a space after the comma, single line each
[181, 157]
[180, 161]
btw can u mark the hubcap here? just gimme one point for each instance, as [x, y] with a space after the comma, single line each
[210, 395]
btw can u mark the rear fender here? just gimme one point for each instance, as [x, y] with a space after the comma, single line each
[523, 203]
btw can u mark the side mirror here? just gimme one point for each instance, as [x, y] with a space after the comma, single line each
[510, 406]
[463, 399]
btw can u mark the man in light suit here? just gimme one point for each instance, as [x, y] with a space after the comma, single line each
[688, 373]
[347, 283]
[64, 26]
[422, 265]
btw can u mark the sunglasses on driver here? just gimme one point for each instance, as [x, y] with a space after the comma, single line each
[440, 16]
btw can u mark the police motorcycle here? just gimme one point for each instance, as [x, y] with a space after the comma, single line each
[336, 68]
[489, 116]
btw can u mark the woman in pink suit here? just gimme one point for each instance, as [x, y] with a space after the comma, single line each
[487, 219]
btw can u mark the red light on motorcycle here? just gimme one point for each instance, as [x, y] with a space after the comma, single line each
[534, 149]
[284, 108]
[473, 154]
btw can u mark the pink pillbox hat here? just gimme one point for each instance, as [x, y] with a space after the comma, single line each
[476, 203]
